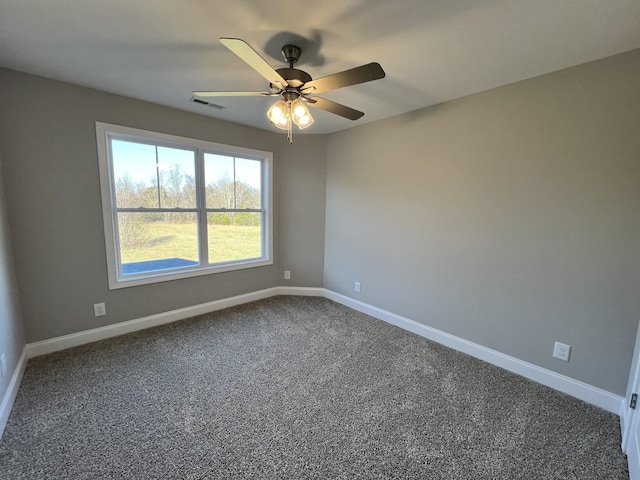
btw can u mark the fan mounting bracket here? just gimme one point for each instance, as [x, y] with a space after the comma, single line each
[291, 54]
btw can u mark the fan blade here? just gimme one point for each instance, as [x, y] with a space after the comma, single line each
[337, 108]
[354, 76]
[255, 61]
[233, 94]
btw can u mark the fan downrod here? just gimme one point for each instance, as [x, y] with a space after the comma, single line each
[295, 78]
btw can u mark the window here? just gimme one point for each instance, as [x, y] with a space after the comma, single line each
[176, 207]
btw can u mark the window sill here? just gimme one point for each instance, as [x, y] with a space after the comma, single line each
[146, 278]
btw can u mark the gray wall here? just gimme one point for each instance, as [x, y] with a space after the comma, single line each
[509, 218]
[11, 331]
[48, 147]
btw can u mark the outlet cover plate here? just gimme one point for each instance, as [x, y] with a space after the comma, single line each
[562, 351]
[99, 309]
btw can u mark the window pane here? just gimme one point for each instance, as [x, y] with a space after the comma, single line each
[134, 174]
[218, 177]
[248, 180]
[157, 241]
[233, 236]
[232, 182]
[139, 169]
[176, 174]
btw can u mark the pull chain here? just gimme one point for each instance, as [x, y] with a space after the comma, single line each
[290, 125]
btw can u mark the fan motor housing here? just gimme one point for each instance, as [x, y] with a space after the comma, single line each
[294, 77]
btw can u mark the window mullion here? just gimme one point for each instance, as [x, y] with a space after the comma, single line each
[235, 210]
[235, 205]
[158, 177]
[201, 204]
[157, 210]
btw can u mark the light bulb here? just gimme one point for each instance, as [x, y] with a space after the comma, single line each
[278, 114]
[301, 115]
[299, 111]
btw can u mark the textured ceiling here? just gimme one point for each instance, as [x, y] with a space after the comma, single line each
[432, 50]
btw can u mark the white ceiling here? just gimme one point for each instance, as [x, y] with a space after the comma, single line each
[431, 50]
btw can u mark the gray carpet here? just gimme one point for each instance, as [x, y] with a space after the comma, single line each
[295, 388]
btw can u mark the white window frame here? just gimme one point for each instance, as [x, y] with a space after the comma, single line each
[105, 132]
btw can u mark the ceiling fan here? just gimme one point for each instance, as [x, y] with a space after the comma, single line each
[296, 87]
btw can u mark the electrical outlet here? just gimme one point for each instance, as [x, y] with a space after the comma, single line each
[357, 286]
[287, 275]
[562, 351]
[99, 309]
[3, 361]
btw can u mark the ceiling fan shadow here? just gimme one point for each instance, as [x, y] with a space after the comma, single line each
[310, 47]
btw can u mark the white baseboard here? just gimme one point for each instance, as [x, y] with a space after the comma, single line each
[302, 291]
[12, 390]
[633, 461]
[624, 419]
[75, 339]
[590, 394]
[634, 470]
[583, 391]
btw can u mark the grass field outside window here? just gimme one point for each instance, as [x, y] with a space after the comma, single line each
[160, 240]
